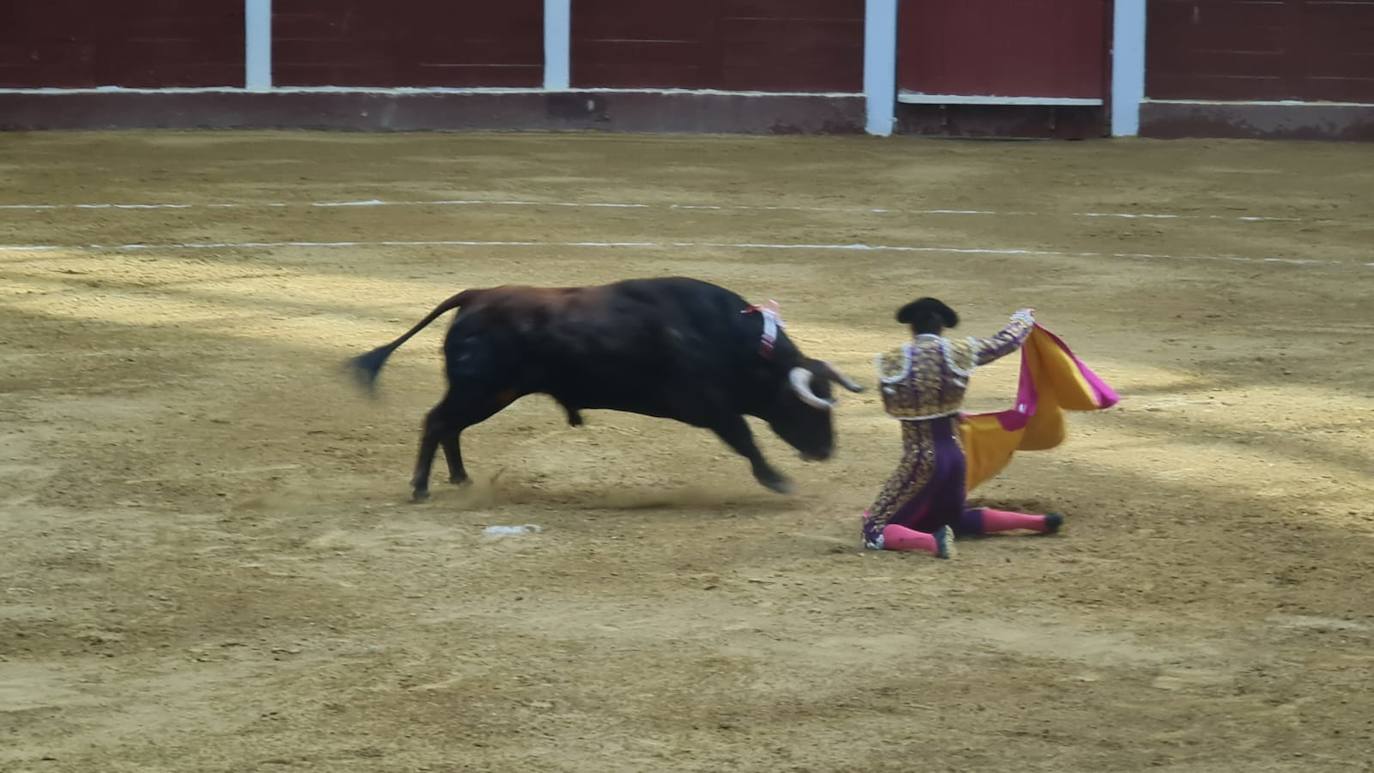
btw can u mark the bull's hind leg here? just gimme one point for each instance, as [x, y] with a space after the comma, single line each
[453, 454]
[438, 428]
[736, 434]
[444, 426]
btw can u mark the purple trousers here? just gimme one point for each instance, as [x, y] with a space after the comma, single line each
[928, 489]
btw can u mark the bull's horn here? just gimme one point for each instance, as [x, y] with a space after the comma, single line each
[801, 384]
[842, 379]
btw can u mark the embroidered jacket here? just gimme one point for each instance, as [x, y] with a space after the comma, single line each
[927, 378]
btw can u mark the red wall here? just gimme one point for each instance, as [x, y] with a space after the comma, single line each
[132, 43]
[1004, 48]
[456, 43]
[765, 45]
[1278, 49]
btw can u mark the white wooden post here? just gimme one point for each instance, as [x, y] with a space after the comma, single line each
[257, 55]
[557, 44]
[880, 65]
[1128, 66]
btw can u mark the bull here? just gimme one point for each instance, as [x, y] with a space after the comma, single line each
[672, 348]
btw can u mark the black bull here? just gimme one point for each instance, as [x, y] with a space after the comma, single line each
[671, 348]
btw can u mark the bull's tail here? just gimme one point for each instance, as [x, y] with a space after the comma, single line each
[365, 368]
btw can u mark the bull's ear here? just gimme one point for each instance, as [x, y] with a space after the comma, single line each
[840, 378]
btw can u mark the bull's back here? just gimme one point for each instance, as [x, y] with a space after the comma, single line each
[614, 318]
[664, 329]
[613, 342]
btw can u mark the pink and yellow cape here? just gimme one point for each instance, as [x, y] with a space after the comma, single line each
[1053, 380]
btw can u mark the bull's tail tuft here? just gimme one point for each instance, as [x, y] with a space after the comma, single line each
[367, 367]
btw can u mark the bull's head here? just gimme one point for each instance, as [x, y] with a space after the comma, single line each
[803, 407]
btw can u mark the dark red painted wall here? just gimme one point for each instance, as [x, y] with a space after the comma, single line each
[764, 45]
[1261, 50]
[456, 43]
[132, 43]
[1004, 48]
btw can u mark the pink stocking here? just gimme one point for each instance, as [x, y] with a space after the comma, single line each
[1005, 520]
[901, 538]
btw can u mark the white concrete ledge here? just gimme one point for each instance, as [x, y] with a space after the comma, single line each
[914, 98]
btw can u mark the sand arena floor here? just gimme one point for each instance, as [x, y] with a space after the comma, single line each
[209, 562]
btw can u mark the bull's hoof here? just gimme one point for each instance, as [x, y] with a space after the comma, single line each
[779, 485]
[459, 480]
[419, 495]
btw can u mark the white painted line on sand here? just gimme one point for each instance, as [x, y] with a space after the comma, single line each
[96, 206]
[669, 206]
[823, 247]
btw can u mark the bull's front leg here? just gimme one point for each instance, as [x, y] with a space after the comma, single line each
[735, 431]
